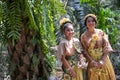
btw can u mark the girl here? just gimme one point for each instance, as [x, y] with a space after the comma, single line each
[97, 47]
[66, 48]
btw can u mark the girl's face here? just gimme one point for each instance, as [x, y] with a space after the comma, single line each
[90, 23]
[69, 32]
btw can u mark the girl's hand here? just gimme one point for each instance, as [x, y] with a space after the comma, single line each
[72, 73]
[93, 63]
[100, 63]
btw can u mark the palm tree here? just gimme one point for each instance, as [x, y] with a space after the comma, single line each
[27, 28]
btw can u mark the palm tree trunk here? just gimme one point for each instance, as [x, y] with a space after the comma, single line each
[22, 57]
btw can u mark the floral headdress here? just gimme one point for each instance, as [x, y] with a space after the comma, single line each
[64, 20]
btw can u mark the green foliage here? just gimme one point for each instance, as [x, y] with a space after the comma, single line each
[48, 12]
[42, 16]
[11, 21]
[87, 1]
[107, 22]
[50, 62]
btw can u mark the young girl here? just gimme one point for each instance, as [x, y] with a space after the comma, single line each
[66, 48]
[97, 47]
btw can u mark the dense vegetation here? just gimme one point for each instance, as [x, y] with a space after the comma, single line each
[28, 28]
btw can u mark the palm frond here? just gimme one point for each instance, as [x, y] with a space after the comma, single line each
[11, 20]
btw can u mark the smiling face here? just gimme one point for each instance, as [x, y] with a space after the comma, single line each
[69, 31]
[90, 22]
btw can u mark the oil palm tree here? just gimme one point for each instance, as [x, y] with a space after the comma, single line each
[27, 28]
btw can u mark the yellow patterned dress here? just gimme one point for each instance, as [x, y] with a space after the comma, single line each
[96, 44]
[68, 46]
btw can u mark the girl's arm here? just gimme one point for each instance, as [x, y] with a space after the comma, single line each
[106, 47]
[65, 62]
[68, 67]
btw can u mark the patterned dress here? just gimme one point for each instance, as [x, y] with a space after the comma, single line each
[97, 44]
[70, 47]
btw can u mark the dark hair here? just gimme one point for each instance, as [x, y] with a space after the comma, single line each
[90, 15]
[87, 18]
[65, 25]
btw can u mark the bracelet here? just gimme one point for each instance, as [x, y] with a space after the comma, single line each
[101, 62]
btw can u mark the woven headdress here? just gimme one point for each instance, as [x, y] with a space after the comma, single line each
[90, 15]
